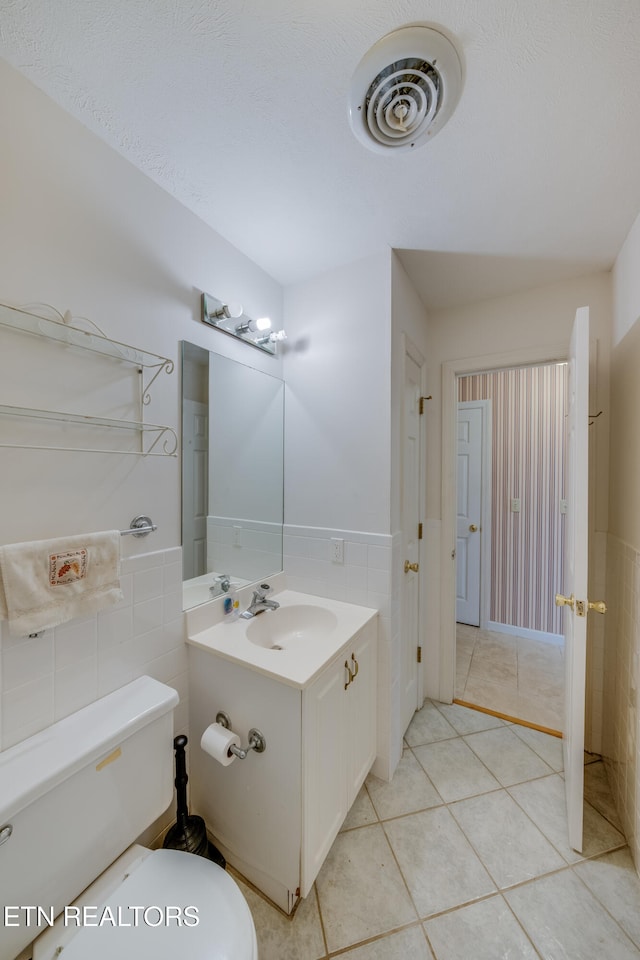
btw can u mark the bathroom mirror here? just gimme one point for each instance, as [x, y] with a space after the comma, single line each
[232, 473]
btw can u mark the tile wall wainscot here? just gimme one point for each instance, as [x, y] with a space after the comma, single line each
[621, 680]
[46, 678]
[363, 577]
[246, 547]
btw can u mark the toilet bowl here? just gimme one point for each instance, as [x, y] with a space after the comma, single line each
[74, 799]
[154, 905]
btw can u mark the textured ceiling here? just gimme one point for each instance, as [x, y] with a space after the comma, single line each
[238, 109]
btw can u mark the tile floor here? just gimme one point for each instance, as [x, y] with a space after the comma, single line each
[463, 856]
[521, 678]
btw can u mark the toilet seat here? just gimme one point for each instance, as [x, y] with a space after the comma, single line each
[160, 880]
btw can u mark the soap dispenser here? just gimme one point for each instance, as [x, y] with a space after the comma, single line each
[231, 605]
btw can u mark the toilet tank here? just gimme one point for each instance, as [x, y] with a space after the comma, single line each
[75, 795]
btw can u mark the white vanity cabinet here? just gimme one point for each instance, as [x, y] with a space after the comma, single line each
[339, 746]
[275, 814]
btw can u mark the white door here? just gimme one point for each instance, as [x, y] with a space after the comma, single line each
[195, 483]
[469, 512]
[410, 639]
[575, 573]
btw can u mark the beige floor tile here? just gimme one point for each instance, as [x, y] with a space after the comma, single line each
[598, 792]
[495, 696]
[539, 679]
[546, 746]
[455, 770]
[361, 812]
[467, 633]
[482, 931]
[465, 720]
[428, 725]
[508, 757]
[516, 676]
[282, 938]
[614, 881]
[410, 790]
[509, 845]
[544, 802]
[564, 920]
[361, 893]
[496, 668]
[437, 861]
[544, 711]
[410, 944]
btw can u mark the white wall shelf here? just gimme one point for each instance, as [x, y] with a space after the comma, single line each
[94, 340]
[161, 441]
[154, 430]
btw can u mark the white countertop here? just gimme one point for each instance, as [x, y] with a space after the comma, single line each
[299, 661]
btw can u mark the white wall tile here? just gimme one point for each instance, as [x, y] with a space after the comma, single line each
[27, 660]
[620, 714]
[27, 709]
[75, 686]
[75, 641]
[148, 584]
[147, 615]
[46, 678]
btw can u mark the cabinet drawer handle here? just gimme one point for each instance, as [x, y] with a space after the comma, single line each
[351, 675]
[356, 665]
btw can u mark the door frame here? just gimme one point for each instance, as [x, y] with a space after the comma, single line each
[409, 349]
[486, 473]
[451, 370]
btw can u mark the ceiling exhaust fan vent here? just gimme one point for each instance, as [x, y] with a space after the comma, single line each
[404, 89]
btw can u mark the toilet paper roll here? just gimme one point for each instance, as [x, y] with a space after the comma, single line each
[216, 741]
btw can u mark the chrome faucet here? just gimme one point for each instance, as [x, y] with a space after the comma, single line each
[259, 602]
[220, 585]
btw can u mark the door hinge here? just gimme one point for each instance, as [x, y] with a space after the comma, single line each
[422, 400]
[419, 657]
[419, 531]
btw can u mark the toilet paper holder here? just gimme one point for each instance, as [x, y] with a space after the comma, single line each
[257, 741]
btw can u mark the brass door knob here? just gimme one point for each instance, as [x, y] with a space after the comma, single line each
[565, 601]
[598, 605]
[473, 528]
[414, 567]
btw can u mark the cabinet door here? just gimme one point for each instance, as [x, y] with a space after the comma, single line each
[324, 762]
[361, 710]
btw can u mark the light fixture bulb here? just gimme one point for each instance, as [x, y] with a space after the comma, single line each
[228, 311]
[272, 337]
[254, 326]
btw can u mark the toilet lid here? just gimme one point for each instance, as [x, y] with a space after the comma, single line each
[173, 905]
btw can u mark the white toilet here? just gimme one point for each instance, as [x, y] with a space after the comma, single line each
[73, 798]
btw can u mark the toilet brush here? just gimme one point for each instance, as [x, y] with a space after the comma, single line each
[189, 832]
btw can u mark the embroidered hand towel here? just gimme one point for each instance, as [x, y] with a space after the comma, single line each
[47, 582]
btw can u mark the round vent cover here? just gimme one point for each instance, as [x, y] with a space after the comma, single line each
[404, 89]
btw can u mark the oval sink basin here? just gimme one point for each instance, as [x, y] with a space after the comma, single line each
[290, 626]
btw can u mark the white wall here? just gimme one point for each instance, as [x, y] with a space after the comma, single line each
[337, 453]
[82, 229]
[621, 736]
[337, 407]
[626, 285]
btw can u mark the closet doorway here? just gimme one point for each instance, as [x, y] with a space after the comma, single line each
[510, 477]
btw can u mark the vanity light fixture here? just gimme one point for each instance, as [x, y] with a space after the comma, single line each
[222, 316]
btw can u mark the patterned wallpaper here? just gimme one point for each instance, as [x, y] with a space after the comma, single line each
[528, 427]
